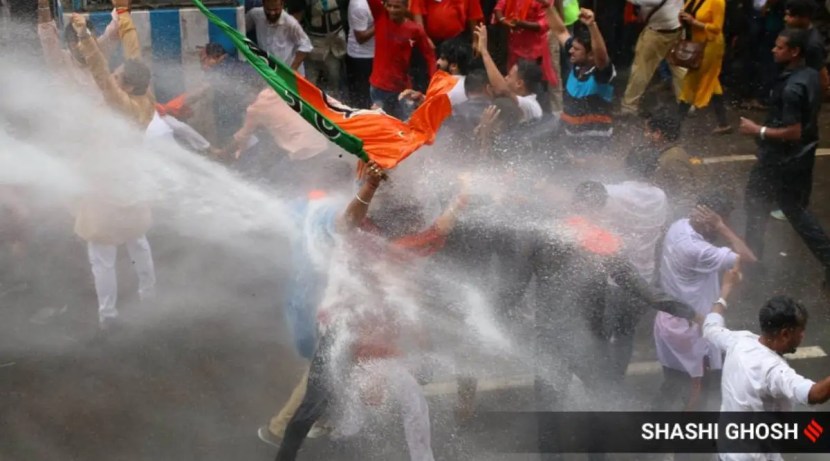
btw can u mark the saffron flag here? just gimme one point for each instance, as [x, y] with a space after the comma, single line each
[368, 134]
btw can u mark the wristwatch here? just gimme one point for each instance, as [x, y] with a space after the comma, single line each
[722, 302]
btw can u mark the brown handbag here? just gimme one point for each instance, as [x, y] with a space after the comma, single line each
[686, 53]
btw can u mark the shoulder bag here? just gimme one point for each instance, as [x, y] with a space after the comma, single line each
[686, 53]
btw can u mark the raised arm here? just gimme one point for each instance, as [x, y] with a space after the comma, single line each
[114, 96]
[736, 243]
[126, 30]
[557, 26]
[601, 59]
[359, 206]
[497, 80]
[47, 32]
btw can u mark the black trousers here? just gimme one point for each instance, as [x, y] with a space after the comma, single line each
[790, 188]
[315, 403]
[358, 71]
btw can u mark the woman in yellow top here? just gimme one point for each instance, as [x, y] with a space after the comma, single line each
[702, 86]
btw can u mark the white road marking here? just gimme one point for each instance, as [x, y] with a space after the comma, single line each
[746, 158]
[634, 369]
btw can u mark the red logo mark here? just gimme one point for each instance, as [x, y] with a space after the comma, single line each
[813, 431]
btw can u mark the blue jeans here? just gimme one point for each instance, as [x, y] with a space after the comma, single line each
[388, 101]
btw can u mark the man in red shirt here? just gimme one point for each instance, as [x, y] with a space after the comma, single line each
[528, 26]
[446, 19]
[395, 37]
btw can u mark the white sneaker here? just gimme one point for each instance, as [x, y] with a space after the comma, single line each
[317, 431]
[779, 215]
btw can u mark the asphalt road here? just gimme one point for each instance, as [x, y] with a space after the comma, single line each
[200, 369]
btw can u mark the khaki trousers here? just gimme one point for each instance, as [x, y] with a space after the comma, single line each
[280, 421]
[652, 48]
[556, 91]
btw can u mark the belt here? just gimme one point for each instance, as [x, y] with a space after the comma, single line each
[666, 31]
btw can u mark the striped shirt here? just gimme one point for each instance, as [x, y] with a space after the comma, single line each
[587, 100]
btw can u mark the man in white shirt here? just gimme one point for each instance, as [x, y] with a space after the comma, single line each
[360, 52]
[755, 375]
[638, 212]
[661, 32]
[280, 35]
[690, 268]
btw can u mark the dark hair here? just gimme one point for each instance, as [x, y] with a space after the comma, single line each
[781, 312]
[591, 195]
[456, 51]
[137, 75]
[796, 38]
[476, 81]
[717, 201]
[801, 8]
[215, 50]
[583, 36]
[531, 74]
[642, 162]
[666, 123]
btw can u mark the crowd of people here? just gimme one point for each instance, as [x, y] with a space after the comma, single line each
[538, 80]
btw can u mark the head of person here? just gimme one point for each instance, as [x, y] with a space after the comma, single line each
[524, 78]
[71, 39]
[641, 163]
[273, 10]
[211, 55]
[717, 201]
[662, 127]
[477, 85]
[783, 322]
[133, 77]
[397, 10]
[790, 46]
[589, 198]
[454, 56]
[798, 14]
[581, 51]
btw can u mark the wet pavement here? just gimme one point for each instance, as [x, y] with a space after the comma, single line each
[196, 372]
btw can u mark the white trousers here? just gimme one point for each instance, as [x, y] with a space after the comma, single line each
[387, 383]
[102, 258]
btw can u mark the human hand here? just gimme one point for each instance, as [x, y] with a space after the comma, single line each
[78, 23]
[489, 116]
[374, 174]
[412, 95]
[731, 279]
[480, 35]
[704, 215]
[749, 127]
[586, 16]
[685, 17]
